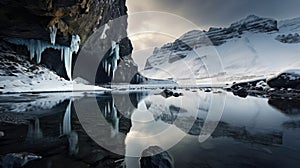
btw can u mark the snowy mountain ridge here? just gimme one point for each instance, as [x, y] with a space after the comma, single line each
[253, 47]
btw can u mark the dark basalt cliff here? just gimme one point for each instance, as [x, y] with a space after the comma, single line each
[31, 19]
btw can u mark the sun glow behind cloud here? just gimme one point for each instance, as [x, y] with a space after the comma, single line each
[203, 13]
[151, 29]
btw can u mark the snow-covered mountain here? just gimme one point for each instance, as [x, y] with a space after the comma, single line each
[253, 47]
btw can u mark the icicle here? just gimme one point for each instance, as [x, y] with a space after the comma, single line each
[116, 56]
[62, 54]
[75, 43]
[53, 31]
[109, 66]
[31, 48]
[37, 47]
[116, 120]
[67, 120]
[68, 61]
[38, 132]
[117, 52]
[105, 65]
[105, 110]
[113, 46]
[108, 106]
[103, 35]
[117, 125]
[38, 51]
[73, 143]
[60, 130]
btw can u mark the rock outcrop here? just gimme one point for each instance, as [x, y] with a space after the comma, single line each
[37, 19]
[287, 79]
[290, 38]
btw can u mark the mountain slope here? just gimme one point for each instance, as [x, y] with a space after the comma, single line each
[251, 48]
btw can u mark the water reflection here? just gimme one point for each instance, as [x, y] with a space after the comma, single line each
[286, 106]
[159, 130]
[34, 130]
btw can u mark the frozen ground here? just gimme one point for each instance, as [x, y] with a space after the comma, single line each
[18, 74]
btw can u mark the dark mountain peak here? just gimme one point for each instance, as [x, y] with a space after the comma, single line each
[255, 23]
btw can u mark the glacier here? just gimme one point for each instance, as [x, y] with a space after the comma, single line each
[37, 47]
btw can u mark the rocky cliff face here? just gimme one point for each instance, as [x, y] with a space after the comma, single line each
[33, 19]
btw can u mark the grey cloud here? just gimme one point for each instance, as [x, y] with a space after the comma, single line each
[206, 13]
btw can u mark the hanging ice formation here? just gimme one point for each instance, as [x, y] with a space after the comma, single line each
[116, 119]
[53, 31]
[103, 35]
[67, 120]
[37, 47]
[116, 56]
[34, 130]
[110, 64]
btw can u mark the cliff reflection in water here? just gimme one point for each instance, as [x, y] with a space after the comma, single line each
[251, 126]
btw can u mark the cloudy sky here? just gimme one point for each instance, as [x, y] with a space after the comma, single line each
[150, 30]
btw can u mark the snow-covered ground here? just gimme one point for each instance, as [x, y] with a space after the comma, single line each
[47, 81]
[245, 56]
[18, 75]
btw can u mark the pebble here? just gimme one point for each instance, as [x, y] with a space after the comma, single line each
[1, 134]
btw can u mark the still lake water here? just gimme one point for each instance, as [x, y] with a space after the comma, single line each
[115, 129]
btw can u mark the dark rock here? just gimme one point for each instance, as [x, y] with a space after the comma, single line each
[253, 88]
[34, 17]
[166, 93]
[207, 90]
[240, 134]
[287, 79]
[176, 110]
[290, 38]
[250, 85]
[155, 157]
[291, 124]
[255, 24]
[241, 92]
[286, 106]
[177, 94]
[17, 159]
